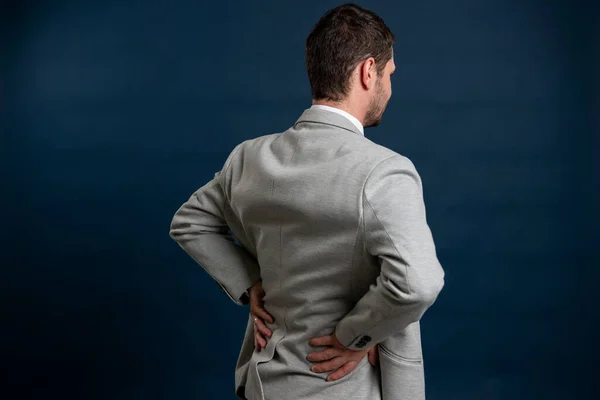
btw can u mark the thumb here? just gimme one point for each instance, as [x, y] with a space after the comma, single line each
[372, 354]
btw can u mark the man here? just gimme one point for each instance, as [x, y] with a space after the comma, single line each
[328, 232]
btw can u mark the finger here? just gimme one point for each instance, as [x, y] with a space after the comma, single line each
[324, 355]
[256, 344]
[262, 313]
[258, 337]
[262, 328]
[342, 371]
[321, 341]
[330, 365]
[261, 340]
[373, 356]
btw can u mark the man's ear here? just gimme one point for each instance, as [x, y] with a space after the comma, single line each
[368, 73]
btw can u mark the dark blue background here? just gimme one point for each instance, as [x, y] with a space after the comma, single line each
[113, 112]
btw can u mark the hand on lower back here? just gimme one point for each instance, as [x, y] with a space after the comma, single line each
[259, 315]
[338, 358]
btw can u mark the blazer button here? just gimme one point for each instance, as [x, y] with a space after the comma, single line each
[366, 338]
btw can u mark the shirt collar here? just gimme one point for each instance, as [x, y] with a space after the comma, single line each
[351, 117]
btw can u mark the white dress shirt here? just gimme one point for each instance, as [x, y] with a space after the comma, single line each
[352, 118]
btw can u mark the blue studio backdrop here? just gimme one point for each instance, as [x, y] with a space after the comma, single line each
[114, 112]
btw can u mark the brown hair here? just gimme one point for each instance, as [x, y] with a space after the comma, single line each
[343, 37]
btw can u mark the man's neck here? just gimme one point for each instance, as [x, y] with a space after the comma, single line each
[344, 106]
[330, 107]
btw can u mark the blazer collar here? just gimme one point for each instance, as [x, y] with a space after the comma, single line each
[328, 118]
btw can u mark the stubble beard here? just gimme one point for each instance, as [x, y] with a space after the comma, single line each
[376, 109]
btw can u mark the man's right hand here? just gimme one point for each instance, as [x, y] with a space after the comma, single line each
[373, 354]
[261, 333]
[337, 357]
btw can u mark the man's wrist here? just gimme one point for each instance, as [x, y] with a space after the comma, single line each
[246, 294]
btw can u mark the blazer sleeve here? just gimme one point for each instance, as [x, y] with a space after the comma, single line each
[199, 227]
[396, 232]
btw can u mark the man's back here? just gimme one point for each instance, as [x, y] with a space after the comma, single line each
[333, 224]
[296, 202]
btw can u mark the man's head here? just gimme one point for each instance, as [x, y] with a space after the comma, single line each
[349, 60]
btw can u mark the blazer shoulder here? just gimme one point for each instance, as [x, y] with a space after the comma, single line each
[252, 143]
[259, 140]
[384, 158]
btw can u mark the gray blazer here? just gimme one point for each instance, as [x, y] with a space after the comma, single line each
[335, 227]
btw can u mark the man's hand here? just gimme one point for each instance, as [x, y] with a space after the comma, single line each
[338, 357]
[374, 355]
[259, 314]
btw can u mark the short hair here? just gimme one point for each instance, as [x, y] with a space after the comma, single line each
[343, 37]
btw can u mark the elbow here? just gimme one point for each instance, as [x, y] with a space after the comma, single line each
[182, 229]
[176, 228]
[173, 233]
[430, 295]
[428, 290]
